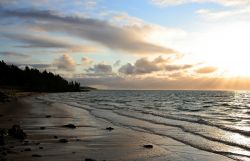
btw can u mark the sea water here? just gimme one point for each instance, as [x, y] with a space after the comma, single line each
[213, 121]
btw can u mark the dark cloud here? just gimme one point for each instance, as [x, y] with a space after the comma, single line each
[117, 63]
[127, 69]
[40, 66]
[117, 82]
[141, 66]
[145, 66]
[102, 32]
[9, 54]
[37, 42]
[167, 83]
[101, 69]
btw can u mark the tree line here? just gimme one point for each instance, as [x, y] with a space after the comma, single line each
[31, 79]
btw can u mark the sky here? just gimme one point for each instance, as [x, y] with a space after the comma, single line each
[131, 44]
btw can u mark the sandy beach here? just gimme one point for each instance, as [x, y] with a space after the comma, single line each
[43, 123]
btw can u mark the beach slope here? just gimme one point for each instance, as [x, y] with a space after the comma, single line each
[84, 138]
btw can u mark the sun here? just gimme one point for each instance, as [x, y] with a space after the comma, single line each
[227, 47]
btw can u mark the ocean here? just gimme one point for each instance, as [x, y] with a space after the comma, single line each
[213, 121]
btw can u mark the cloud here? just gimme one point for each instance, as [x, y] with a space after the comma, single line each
[14, 55]
[206, 70]
[127, 69]
[45, 41]
[76, 4]
[177, 67]
[89, 4]
[145, 66]
[101, 69]
[37, 41]
[141, 66]
[40, 66]
[117, 63]
[86, 61]
[149, 83]
[234, 9]
[102, 32]
[235, 13]
[65, 63]
[181, 2]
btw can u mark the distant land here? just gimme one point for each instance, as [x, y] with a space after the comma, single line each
[33, 80]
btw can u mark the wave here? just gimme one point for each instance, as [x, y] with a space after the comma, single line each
[199, 119]
[184, 129]
[175, 137]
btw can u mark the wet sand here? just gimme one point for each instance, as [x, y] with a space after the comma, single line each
[43, 122]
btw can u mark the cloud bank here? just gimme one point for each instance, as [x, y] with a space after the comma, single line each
[102, 32]
[145, 66]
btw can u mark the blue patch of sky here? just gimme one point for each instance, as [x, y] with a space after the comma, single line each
[171, 16]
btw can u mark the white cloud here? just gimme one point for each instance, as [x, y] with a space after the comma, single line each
[181, 2]
[242, 13]
[232, 8]
[65, 63]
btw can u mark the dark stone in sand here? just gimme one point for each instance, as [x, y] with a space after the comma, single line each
[110, 128]
[89, 159]
[63, 141]
[36, 155]
[11, 152]
[73, 152]
[42, 128]
[40, 147]
[3, 132]
[201, 121]
[17, 132]
[55, 137]
[48, 116]
[72, 126]
[25, 143]
[148, 146]
[38, 143]
[78, 140]
[2, 142]
[4, 97]
[27, 149]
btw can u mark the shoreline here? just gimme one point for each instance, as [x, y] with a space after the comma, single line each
[8, 95]
[43, 122]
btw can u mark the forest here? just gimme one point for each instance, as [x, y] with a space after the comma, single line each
[31, 79]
